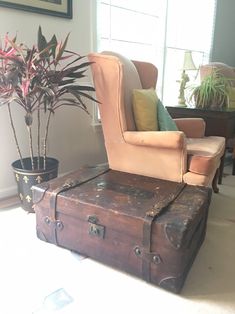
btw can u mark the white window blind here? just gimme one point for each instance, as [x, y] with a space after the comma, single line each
[158, 31]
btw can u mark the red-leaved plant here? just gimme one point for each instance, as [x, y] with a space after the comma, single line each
[40, 79]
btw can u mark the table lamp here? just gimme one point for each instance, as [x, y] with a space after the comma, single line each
[187, 65]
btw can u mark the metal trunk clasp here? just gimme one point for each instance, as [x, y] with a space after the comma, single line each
[95, 229]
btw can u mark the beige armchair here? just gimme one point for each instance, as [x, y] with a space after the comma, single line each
[228, 72]
[224, 69]
[181, 156]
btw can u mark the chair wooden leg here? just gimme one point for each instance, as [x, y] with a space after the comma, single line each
[215, 181]
[221, 169]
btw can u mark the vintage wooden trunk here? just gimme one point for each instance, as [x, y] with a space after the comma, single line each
[147, 227]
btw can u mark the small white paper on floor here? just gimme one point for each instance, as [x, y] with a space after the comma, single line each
[55, 301]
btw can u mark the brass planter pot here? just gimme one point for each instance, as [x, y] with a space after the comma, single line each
[26, 178]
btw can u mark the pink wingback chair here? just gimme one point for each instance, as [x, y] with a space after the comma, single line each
[181, 156]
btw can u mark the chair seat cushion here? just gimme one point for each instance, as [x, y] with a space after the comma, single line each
[204, 154]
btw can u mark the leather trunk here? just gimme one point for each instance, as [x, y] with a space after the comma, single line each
[147, 227]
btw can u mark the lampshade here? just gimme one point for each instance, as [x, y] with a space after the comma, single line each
[188, 61]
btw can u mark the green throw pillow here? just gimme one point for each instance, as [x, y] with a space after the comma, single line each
[145, 109]
[165, 122]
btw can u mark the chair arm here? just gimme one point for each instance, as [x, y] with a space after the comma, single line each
[158, 139]
[192, 127]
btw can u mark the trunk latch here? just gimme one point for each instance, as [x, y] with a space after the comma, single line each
[95, 229]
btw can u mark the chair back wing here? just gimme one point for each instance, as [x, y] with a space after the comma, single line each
[114, 78]
[148, 74]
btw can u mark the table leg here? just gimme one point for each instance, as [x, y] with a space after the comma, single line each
[233, 158]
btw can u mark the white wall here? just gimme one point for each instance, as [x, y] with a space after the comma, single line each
[73, 139]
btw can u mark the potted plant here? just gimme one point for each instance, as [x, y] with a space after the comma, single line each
[40, 80]
[212, 92]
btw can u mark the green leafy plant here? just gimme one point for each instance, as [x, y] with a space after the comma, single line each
[40, 79]
[212, 91]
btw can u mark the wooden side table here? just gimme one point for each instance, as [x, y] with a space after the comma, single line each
[219, 122]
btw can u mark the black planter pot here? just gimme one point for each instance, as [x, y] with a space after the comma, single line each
[26, 178]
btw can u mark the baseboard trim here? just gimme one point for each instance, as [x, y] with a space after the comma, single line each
[9, 195]
[8, 192]
[12, 191]
[8, 202]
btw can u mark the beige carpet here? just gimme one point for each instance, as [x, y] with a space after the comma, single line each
[31, 269]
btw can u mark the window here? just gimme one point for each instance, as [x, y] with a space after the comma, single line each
[189, 26]
[158, 31]
[132, 28]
